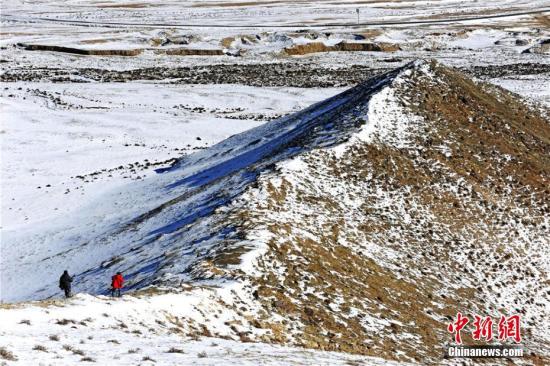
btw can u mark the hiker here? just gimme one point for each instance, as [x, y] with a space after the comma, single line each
[116, 284]
[65, 283]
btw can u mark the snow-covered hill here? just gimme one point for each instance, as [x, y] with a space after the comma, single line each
[361, 224]
[158, 228]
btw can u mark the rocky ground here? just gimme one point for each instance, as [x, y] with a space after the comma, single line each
[280, 74]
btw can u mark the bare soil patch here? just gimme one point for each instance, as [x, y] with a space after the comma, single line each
[81, 51]
[316, 47]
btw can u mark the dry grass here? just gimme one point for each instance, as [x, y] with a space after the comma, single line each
[75, 351]
[65, 321]
[402, 299]
[175, 350]
[542, 21]
[316, 47]
[7, 355]
[152, 291]
[39, 304]
[245, 38]
[227, 41]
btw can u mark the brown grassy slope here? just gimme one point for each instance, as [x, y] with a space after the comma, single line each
[455, 222]
[315, 47]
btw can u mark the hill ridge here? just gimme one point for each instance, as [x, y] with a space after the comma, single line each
[362, 224]
[191, 190]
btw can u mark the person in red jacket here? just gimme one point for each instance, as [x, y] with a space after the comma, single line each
[117, 281]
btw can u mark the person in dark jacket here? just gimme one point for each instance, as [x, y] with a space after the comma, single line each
[117, 281]
[65, 283]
